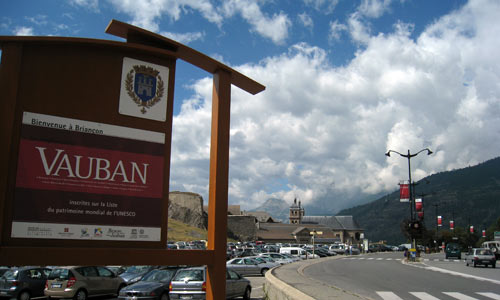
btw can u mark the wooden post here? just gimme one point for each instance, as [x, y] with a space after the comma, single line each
[218, 185]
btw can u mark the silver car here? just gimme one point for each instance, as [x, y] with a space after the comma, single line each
[190, 283]
[248, 266]
[480, 256]
[281, 258]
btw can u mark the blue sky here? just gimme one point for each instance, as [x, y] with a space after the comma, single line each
[345, 81]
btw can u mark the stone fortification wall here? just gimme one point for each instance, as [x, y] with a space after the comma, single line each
[241, 228]
[187, 208]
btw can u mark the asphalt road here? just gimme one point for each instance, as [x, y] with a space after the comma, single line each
[384, 276]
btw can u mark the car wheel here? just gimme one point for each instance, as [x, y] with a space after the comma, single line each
[24, 295]
[474, 264]
[264, 271]
[164, 296]
[466, 263]
[80, 295]
[119, 289]
[246, 295]
[493, 266]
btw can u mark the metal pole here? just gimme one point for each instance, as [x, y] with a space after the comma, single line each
[412, 217]
[410, 187]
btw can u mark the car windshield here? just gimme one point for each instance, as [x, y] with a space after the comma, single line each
[10, 274]
[59, 274]
[159, 275]
[484, 252]
[136, 269]
[189, 275]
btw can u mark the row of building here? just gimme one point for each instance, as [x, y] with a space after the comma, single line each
[259, 225]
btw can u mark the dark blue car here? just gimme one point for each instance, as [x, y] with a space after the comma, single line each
[24, 283]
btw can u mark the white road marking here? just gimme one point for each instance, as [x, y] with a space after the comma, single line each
[388, 296]
[490, 295]
[424, 296]
[459, 296]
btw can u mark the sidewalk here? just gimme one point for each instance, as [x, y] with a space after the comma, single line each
[290, 282]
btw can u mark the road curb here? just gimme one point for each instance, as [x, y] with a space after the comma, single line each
[277, 289]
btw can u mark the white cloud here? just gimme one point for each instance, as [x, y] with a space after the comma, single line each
[22, 30]
[148, 13]
[326, 6]
[360, 33]
[306, 20]
[336, 30]
[88, 4]
[184, 38]
[374, 8]
[320, 132]
[38, 20]
[274, 28]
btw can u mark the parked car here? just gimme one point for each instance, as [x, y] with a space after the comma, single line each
[117, 269]
[289, 256]
[153, 286]
[82, 282]
[132, 274]
[378, 248]
[480, 256]
[248, 266]
[338, 248]
[294, 251]
[452, 250]
[23, 283]
[3, 270]
[494, 246]
[266, 260]
[282, 259]
[246, 252]
[353, 250]
[190, 283]
[404, 247]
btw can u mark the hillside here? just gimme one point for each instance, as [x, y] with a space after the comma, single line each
[277, 208]
[469, 196]
[178, 231]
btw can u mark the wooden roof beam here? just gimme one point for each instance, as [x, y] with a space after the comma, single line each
[138, 35]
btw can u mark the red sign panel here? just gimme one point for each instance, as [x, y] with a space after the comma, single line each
[440, 221]
[85, 180]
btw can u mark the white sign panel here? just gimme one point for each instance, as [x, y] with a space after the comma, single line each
[144, 89]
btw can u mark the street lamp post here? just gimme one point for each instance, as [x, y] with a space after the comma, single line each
[412, 197]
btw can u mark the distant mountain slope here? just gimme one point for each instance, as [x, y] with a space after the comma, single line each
[469, 196]
[277, 208]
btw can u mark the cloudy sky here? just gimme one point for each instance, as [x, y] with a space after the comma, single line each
[345, 82]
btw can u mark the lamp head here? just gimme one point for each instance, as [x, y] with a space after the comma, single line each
[429, 152]
[388, 153]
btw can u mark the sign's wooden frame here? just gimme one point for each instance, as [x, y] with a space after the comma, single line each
[140, 44]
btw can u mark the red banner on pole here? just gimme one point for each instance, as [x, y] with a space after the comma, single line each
[419, 204]
[484, 233]
[452, 225]
[440, 221]
[404, 192]
[471, 229]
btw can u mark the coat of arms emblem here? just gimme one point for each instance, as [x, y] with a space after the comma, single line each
[145, 86]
